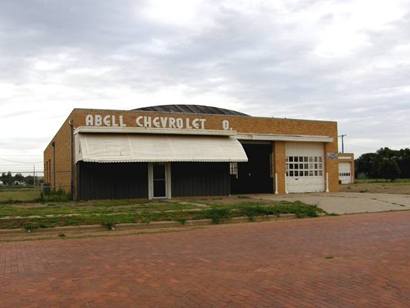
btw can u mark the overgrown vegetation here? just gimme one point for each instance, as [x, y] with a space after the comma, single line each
[111, 213]
[55, 196]
[218, 215]
[109, 222]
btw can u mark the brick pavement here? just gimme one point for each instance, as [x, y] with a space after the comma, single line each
[356, 260]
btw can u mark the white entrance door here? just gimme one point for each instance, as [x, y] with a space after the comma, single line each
[305, 167]
[159, 180]
[345, 173]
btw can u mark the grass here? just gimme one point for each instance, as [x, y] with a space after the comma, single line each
[13, 195]
[109, 213]
[397, 181]
[400, 186]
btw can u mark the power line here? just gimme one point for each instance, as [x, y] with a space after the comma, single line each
[21, 162]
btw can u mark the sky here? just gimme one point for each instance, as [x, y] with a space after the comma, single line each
[346, 61]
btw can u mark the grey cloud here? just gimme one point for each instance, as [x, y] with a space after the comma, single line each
[258, 59]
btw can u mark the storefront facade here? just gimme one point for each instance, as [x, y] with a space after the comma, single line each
[184, 150]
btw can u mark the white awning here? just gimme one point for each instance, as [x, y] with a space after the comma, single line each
[107, 148]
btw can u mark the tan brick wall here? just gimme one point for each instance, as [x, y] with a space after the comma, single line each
[61, 168]
[257, 125]
[280, 164]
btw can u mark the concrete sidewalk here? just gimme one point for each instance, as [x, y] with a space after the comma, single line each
[347, 203]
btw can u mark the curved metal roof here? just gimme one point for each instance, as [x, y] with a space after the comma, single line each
[191, 109]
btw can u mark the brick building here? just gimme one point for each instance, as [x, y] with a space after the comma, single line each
[346, 168]
[187, 150]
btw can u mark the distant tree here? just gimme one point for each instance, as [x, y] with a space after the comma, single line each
[404, 162]
[388, 169]
[7, 178]
[366, 164]
[29, 179]
[387, 153]
[19, 177]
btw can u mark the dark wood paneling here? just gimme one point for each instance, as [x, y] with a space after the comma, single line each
[200, 179]
[112, 180]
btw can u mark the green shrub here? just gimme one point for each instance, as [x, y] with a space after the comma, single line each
[145, 217]
[30, 226]
[109, 223]
[182, 221]
[253, 211]
[55, 196]
[218, 214]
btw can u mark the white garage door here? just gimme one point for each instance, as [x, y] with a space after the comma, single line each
[305, 167]
[345, 173]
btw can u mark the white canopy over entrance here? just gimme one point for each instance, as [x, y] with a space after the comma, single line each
[108, 148]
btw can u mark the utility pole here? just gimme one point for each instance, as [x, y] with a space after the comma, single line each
[343, 142]
[34, 175]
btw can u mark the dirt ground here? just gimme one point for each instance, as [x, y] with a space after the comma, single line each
[383, 187]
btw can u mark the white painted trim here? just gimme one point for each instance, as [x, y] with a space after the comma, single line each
[345, 158]
[162, 131]
[327, 181]
[168, 187]
[150, 182]
[276, 184]
[295, 138]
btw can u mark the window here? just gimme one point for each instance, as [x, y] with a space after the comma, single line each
[233, 169]
[301, 166]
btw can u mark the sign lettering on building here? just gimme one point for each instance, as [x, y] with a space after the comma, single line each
[331, 156]
[107, 120]
[150, 122]
[170, 122]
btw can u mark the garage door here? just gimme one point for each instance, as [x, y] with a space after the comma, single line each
[305, 167]
[345, 173]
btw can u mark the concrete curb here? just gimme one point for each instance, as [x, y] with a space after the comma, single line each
[75, 231]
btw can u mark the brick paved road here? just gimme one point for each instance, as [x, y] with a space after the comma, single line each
[359, 260]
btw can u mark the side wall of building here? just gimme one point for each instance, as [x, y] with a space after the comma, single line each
[58, 158]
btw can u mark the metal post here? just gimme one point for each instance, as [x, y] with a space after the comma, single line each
[343, 142]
